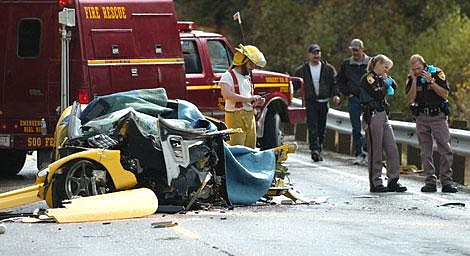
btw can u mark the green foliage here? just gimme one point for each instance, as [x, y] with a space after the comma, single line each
[283, 29]
[446, 45]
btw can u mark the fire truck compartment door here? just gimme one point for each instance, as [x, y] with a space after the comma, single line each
[31, 37]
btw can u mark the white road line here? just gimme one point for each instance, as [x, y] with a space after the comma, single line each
[357, 177]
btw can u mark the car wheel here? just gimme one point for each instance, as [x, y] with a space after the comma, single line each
[82, 178]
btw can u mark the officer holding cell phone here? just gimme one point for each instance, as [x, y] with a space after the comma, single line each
[427, 91]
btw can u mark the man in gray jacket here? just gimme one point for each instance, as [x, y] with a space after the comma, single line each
[320, 85]
[349, 76]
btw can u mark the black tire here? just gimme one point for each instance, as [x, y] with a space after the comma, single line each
[75, 181]
[273, 135]
[12, 161]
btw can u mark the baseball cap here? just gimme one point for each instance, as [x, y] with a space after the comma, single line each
[313, 48]
[356, 44]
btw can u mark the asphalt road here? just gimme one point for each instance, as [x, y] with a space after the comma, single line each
[352, 221]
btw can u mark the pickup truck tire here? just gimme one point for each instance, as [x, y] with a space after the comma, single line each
[12, 162]
[272, 136]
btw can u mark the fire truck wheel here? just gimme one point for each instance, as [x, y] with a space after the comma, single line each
[273, 135]
[12, 162]
[80, 178]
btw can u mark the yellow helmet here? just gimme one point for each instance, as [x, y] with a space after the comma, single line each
[249, 52]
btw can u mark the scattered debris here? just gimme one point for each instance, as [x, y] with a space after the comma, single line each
[319, 200]
[168, 238]
[171, 209]
[296, 197]
[453, 204]
[3, 228]
[409, 168]
[410, 209]
[164, 224]
[365, 196]
[287, 202]
[5, 216]
[38, 219]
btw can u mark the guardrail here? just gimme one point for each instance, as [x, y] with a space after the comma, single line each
[405, 132]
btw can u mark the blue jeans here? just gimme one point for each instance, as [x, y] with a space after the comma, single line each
[355, 110]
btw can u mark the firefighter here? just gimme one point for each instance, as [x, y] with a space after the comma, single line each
[427, 90]
[238, 92]
[374, 87]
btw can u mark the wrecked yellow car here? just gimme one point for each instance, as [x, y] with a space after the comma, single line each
[140, 139]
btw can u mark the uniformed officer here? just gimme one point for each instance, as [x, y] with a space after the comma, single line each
[374, 87]
[427, 90]
[238, 92]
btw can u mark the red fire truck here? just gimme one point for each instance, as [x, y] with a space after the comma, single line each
[55, 52]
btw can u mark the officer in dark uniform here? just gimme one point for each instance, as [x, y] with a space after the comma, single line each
[427, 90]
[374, 87]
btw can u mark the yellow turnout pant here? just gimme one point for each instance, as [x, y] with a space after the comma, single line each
[245, 120]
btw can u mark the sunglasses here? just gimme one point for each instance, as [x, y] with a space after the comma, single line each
[355, 49]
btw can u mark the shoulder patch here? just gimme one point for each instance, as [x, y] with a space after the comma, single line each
[441, 75]
[370, 79]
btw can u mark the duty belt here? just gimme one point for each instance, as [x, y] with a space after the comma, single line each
[431, 111]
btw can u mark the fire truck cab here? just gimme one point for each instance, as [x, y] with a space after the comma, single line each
[54, 52]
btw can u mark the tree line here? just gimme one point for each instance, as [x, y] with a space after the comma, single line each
[437, 29]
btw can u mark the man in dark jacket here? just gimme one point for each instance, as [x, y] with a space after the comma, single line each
[349, 77]
[320, 85]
